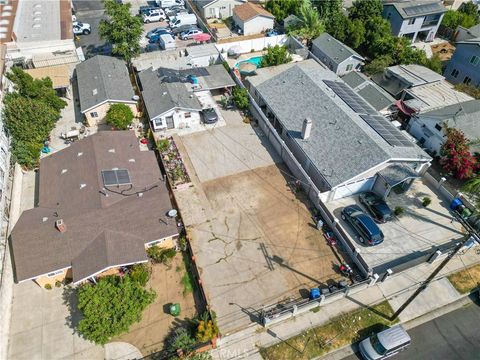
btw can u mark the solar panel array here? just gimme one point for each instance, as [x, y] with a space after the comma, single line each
[386, 130]
[350, 97]
[420, 9]
[116, 177]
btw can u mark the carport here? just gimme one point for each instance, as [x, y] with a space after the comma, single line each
[398, 177]
[59, 75]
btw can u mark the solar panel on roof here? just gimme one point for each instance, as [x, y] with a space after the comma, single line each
[420, 9]
[387, 131]
[355, 102]
[116, 177]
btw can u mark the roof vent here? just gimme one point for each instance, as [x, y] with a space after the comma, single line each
[111, 150]
[94, 91]
[61, 226]
[64, 171]
[140, 194]
[82, 186]
[164, 93]
[80, 154]
[131, 160]
[44, 219]
[306, 128]
[135, 97]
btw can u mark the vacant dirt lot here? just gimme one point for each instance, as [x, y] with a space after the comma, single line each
[254, 240]
[148, 334]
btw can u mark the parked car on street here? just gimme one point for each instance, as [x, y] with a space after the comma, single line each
[183, 28]
[154, 15]
[146, 8]
[154, 31]
[190, 33]
[209, 116]
[80, 28]
[156, 37]
[376, 206]
[174, 10]
[367, 230]
[385, 344]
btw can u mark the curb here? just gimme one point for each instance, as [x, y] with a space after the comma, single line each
[353, 348]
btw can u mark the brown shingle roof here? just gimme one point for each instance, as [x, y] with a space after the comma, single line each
[59, 75]
[39, 248]
[249, 10]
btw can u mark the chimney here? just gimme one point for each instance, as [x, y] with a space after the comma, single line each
[60, 225]
[306, 128]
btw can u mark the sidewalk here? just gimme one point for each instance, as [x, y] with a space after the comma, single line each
[245, 344]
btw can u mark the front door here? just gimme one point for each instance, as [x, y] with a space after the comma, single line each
[170, 123]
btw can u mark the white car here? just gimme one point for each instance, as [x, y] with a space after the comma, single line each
[154, 15]
[190, 33]
[80, 28]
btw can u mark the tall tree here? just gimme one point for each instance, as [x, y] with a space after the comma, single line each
[365, 9]
[122, 29]
[311, 25]
[282, 8]
[276, 55]
[473, 186]
[355, 33]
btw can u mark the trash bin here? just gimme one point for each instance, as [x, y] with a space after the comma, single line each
[455, 203]
[314, 293]
[175, 309]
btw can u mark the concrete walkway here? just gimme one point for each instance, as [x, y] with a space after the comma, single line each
[397, 289]
[121, 351]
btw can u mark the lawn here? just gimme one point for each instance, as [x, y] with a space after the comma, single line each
[466, 280]
[340, 331]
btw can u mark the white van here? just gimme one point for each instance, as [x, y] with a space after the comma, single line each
[385, 344]
[183, 19]
[167, 42]
[166, 3]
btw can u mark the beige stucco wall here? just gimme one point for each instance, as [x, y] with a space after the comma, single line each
[101, 110]
[166, 243]
[44, 280]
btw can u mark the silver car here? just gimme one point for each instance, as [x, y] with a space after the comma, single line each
[385, 344]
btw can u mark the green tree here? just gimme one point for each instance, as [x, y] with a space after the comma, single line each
[111, 306]
[470, 9]
[365, 9]
[453, 18]
[378, 65]
[338, 25]
[472, 186]
[140, 273]
[119, 116]
[434, 63]
[240, 98]
[282, 8]
[310, 25]
[355, 33]
[276, 55]
[122, 29]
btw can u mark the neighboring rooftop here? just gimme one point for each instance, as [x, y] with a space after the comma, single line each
[103, 78]
[414, 8]
[370, 92]
[250, 10]
[334, 49]
[474, 41]
[102, 222]
[60, 75]
[298, 91]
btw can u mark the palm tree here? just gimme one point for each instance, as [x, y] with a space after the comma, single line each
[472, 186]
[310, 25]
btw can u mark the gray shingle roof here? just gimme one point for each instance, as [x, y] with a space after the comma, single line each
[354, 79]
[414, 8]
[102, 78]
[341, 144]
[334, 49]
[162, 97]
[370, 92]
[71, 188]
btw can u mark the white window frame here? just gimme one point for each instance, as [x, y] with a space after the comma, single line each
[55, 273]
[474, 60]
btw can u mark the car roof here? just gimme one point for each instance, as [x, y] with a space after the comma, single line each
[369, 224]
[393, 337]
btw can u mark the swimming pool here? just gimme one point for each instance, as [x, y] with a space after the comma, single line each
[255, 60]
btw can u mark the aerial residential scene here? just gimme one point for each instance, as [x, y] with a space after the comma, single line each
[239, 179]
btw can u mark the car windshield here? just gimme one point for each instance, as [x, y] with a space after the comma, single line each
[377, 345]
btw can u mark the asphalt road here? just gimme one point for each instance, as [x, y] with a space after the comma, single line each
[453, 336]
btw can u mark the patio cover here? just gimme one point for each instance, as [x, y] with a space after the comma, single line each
[398, 173]
[58, 74]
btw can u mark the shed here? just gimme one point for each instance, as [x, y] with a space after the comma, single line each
[252, 18]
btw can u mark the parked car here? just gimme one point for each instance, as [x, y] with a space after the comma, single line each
[183, 19]
[156, 37]
[385, 344]
[81, 28]
[174, 10]
[376, 206]
[146, 8]
[154, 15]
[184, 28]
[209, 116]
[190, 33]
[154, 31]
[167, 42]
[366, 229]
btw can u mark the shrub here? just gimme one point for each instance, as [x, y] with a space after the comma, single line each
[159, 255]
[182, 242]
[399, 211]
[58, 284]
[120, 116]
[163, 145]
[140, 273]
[426, 201]
[181, 339]
[48, 286]
[207, 328]
[240, 98]
[276, 55]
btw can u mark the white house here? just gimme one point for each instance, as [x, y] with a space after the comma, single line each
[219, 9]
[252, 18]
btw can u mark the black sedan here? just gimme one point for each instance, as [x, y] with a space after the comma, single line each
[376, 206]
[363, 225]
[209, 116]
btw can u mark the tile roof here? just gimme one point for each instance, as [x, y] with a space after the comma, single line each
[249, 11]
[103, 78]
[335, 50]
[71, 188]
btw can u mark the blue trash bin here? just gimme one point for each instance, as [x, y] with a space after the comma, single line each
[455, 203]
[314, 293]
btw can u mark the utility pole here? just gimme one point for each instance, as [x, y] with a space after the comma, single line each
[471, 233]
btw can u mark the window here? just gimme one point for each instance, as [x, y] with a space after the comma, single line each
[55, 273]
[474, 60]
[438, 127]
[94, 114]
[187, 115]
[349, 67]
[158, 122]
[411, 21]
[467, 80]
[454, 73]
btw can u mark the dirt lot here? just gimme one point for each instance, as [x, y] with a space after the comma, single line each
[253, 239]
[148, 335]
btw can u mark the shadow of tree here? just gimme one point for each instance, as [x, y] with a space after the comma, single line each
[70, 299]
[371, 330]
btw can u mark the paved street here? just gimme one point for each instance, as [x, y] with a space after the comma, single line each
[453, 336]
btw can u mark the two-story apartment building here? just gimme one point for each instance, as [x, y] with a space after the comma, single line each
[415, 20]
[464, 66]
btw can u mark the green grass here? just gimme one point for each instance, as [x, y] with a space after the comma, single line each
[342, 330]
[188, 283]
